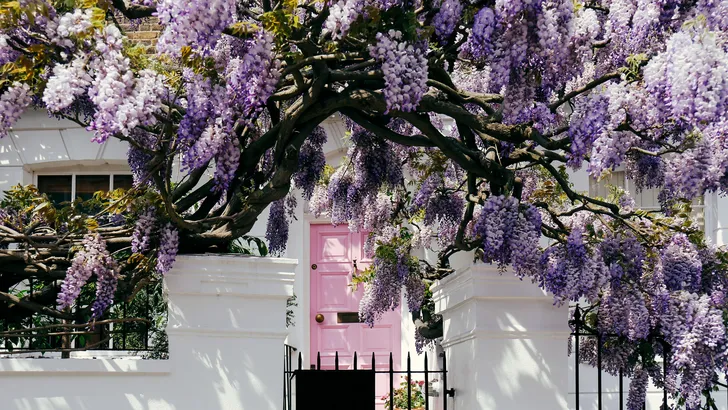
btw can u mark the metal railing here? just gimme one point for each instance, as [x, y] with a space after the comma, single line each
[289, 352]
[582, 329]
[128, 326]
[389, 371]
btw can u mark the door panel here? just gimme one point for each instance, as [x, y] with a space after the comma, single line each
[333, 252]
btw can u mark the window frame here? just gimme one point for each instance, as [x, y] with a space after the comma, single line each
[75, 174]
[699, 210]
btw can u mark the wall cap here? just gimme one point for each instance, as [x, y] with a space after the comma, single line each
[237, 258]
[484, 282]
[231, 275]
[78, 366]
[504, 334]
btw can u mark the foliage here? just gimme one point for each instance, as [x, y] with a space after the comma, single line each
[244, 245]
[290, 314]
[400, 400]
[59, 243]
[464, 122]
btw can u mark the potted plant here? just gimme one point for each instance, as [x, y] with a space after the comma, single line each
[399, 401]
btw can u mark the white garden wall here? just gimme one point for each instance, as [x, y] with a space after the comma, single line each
[226, 331]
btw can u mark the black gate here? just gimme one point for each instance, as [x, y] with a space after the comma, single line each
[329, 389]
[581, 329]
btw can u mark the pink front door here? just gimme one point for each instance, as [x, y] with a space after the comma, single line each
[333, 252]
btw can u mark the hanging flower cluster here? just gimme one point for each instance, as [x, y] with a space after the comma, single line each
[93, 259]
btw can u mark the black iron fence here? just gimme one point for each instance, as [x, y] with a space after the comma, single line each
[133, 325]
[581, 329]
[289, 353]
[356, 386]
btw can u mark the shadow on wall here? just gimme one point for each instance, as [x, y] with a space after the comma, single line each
[79, 386]
[202, 373]
[506, 345]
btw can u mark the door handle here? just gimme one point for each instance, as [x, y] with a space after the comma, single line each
[319, 318]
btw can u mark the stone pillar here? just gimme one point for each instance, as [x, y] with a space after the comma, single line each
[227, 324]
[505, 342]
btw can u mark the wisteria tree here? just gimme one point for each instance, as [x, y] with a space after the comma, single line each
[464, 117]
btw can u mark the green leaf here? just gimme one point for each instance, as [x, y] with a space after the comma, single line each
[277, 23]
[243, 28]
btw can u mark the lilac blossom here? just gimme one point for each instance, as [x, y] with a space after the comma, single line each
[637, 390]
[277, 231]
[447, 18]
[252, 78]
[510, 236]
[405, 70]
[341, 15]
[143, 228]
[311, 162]
[690, 59]
[168, 246]
[480, 42]
[67, 82]
[681, 264]
[93, 259]
[197, 24]
[12, 104]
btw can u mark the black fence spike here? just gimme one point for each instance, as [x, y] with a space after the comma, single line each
[336, 360]
[355, 361]
[599, 372]
[391, 379]
[444, 381]
[318, 361]
[621, 389]
[409, 382]
[427, 385]
[577, 319]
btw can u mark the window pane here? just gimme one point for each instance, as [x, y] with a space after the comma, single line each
[57, 187]
[123, 181]
[600, 188]
[86, 185]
